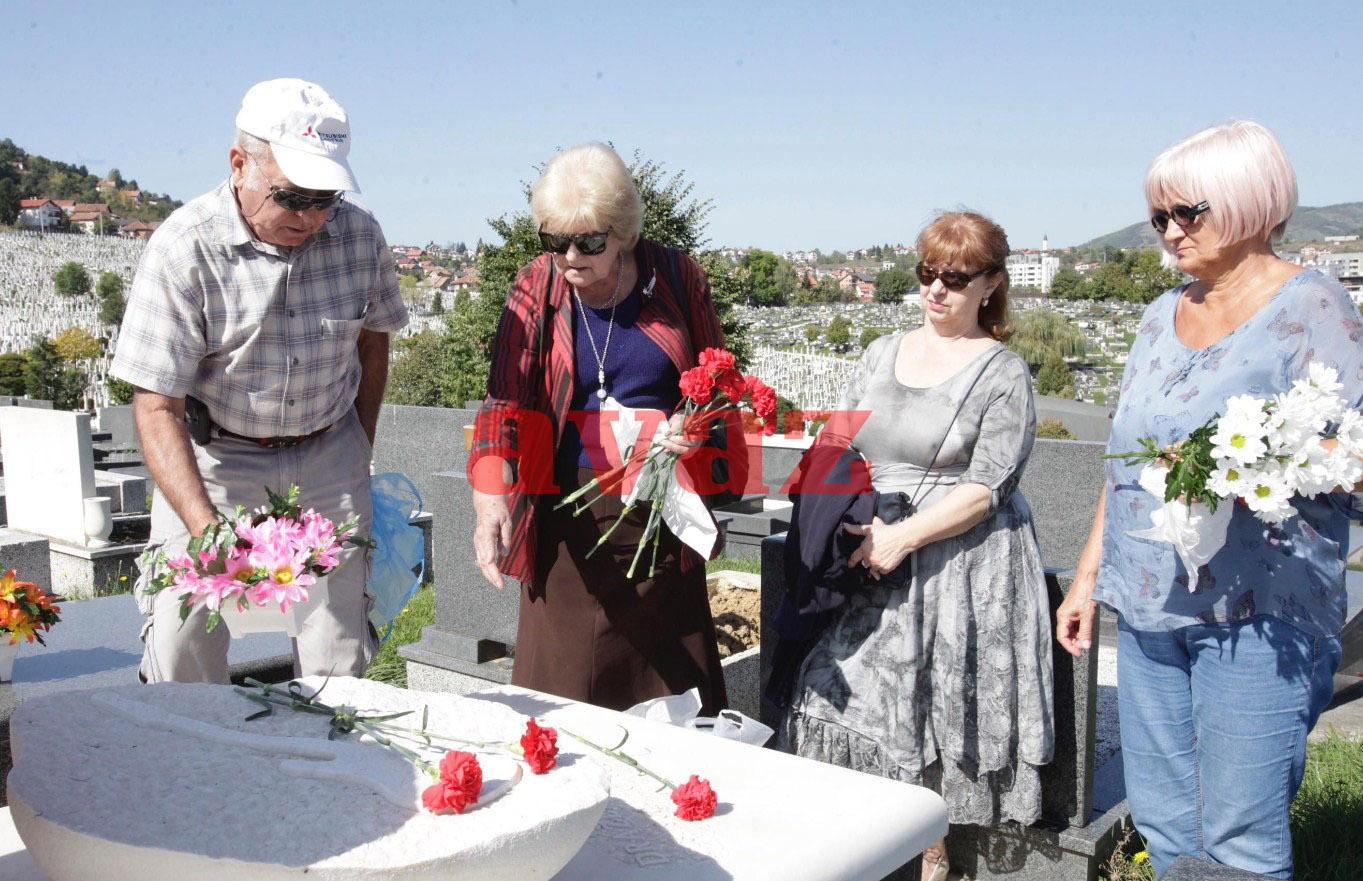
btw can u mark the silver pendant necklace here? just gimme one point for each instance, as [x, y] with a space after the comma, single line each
[600, 355]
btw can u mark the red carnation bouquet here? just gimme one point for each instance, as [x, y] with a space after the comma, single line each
[711, 391]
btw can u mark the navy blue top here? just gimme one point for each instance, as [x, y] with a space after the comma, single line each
[1293, 570]
[638, 374]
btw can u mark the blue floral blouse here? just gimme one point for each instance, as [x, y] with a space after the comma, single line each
[1293, 570]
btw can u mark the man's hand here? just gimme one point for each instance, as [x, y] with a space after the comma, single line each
[373, 349]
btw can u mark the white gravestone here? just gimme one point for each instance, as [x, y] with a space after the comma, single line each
[170, 782]
[49, 475]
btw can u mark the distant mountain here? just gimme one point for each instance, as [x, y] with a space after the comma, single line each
[1307, 225]
[25, 175]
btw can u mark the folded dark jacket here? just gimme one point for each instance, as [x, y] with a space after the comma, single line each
[832, 487]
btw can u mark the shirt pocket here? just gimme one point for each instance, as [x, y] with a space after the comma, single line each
[340, 341]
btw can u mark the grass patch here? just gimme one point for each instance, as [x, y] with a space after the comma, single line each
[1326, 817]
[387, 666]
[740, 564]
[1328, 812]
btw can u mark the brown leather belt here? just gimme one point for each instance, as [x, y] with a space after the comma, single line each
[274, 443]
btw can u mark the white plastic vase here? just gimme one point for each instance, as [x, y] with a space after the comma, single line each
[8, 651]
[268, 618]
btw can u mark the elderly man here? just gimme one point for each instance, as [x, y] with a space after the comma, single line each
[257, 337]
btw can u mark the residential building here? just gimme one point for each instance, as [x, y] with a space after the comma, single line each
[40, 214]
[138, 230]
[1033, 269]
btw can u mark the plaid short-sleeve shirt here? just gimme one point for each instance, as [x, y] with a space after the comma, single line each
[266, 337]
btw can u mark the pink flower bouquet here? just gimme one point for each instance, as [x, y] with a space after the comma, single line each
[267, 556]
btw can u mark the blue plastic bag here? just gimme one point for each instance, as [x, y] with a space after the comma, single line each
[398, 563]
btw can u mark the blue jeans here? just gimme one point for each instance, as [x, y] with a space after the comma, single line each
[1214, 722]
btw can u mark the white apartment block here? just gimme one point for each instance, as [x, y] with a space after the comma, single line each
[1033, 270]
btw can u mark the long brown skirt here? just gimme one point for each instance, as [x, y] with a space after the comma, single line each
[588, 632]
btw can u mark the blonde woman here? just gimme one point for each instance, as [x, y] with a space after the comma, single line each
[603, 317]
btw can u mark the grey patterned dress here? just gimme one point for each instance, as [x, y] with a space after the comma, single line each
[944, 682]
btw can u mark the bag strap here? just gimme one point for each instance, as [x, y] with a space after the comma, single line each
[913, 500]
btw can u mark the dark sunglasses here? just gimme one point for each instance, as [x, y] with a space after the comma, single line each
[589, 243]
[951, 279]
[292, 201]
[1183, 215]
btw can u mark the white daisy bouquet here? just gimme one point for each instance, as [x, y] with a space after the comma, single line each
[1262, 453]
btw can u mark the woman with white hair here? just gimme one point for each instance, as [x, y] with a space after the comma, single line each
[603, 320]
[1218, 688]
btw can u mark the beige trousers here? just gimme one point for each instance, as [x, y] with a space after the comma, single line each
[332, 471]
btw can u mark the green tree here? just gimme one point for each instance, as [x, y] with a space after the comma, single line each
[115, 177]
[111, 309]
[437, 304]
[71, 280]
[774, 279]
[1112, 281]
[1040, 333]
[839, 332]
[48, 378]
[827, 291]
[1149, 276]
[870, 335]
[120, 391]
[730, 285]
[1068, 285]
[9, 201]
[418, 377]
[109, 284]
[812, 332]
[1054, 378]
[12, 373]
[892, 285]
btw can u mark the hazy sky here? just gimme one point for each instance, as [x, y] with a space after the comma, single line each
[809, 125]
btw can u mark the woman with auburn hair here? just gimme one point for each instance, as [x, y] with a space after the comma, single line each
[1218, 687]
[603, 320]
[938, 671]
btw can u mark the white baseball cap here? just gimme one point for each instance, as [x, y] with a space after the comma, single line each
[308, 132]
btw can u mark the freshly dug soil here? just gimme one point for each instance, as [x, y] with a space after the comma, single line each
[737, 612]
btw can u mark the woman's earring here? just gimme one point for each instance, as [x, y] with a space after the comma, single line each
[985, 303]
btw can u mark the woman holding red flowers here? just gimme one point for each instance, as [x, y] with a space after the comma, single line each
[602, 324]
[937, 671]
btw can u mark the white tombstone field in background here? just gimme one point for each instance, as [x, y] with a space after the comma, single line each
[50, 476]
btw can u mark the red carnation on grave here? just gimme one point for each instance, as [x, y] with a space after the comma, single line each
[540, 746]
[697, 384]
[717, 359]
[461, 778]
[695, 800]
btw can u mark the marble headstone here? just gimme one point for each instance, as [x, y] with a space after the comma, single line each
[49, 471]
